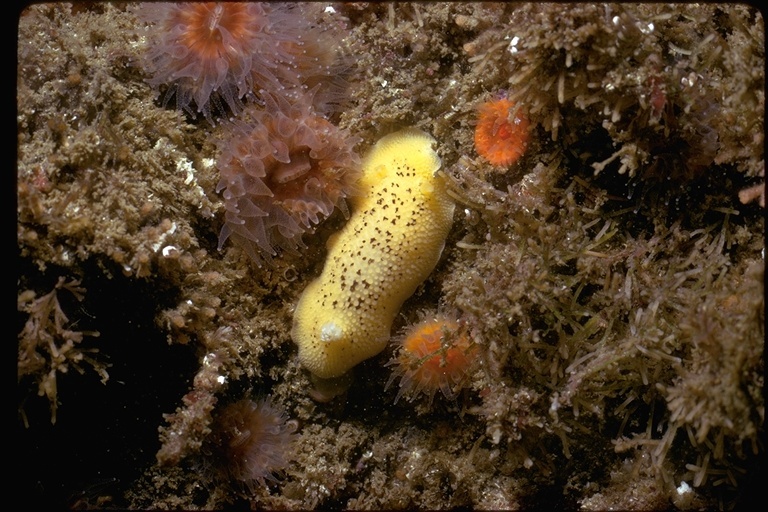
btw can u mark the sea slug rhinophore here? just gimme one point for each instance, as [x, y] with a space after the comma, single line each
[391, 243]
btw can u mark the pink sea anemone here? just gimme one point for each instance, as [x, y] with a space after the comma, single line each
[250, 442]
[213, 56]
[282, 172]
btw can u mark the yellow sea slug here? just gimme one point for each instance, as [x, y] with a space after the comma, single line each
[391, 243]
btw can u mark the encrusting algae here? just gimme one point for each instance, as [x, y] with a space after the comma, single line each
[601, 297]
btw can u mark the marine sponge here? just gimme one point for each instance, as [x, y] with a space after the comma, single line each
[282, 172]
[211, 54]
[250, 441]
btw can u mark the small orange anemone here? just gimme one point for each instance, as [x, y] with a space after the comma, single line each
[434, 355]
[501, 134]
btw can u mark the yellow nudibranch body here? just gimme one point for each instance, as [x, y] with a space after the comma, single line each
[392, 242]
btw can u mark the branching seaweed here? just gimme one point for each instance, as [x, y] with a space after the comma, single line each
[49, 345]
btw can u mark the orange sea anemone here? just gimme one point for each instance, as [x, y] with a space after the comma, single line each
[501, 134]
[434, 355]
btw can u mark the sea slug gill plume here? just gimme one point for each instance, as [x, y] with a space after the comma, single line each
[391, 243]
[282, 172]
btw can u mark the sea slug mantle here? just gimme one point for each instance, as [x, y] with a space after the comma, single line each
[391, 243]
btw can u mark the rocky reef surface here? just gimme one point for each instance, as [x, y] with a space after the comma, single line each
[610, 281]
